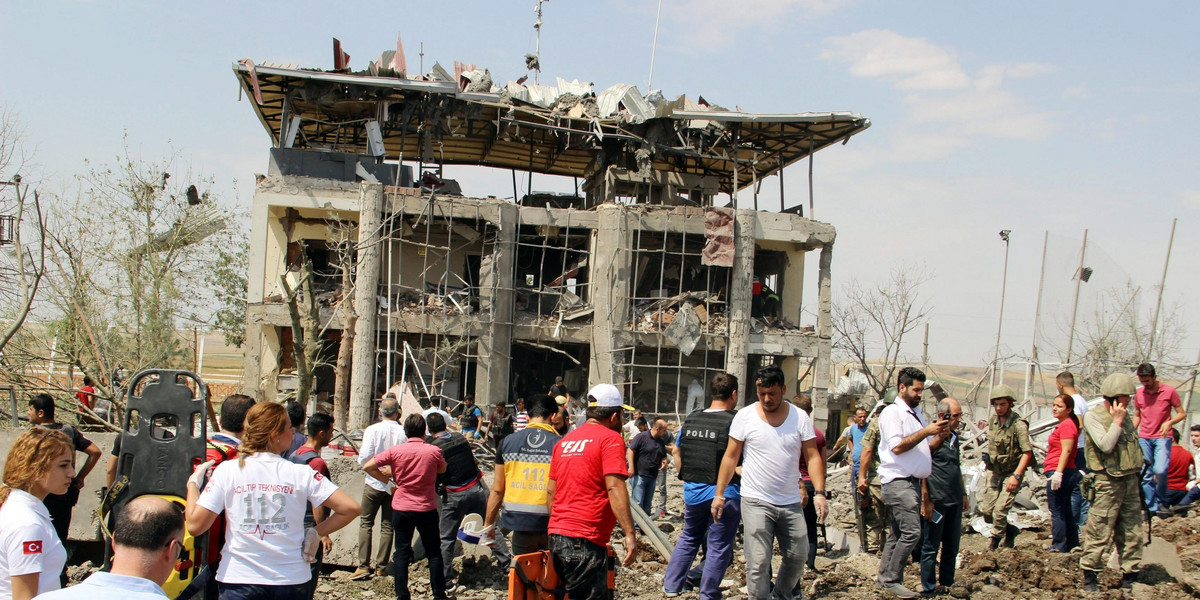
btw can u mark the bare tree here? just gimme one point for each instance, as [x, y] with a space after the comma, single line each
[129, 268]
[306, 332]
[870, 323]
[23, 242]
[1117, 337]
[346, 253]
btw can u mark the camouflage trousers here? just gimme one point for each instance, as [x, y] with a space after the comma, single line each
[1114, 518]
[997, 502]
[875, 519]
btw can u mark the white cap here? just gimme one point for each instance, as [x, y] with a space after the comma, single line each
[606, 395]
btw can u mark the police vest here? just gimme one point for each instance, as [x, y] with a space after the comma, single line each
[469, 418]
[460, 460]
[1004, 442]
[704, 438]
[1125, 458]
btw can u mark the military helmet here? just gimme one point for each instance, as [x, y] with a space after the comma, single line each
[1002, 391]
[1117, 384]
[889, 395]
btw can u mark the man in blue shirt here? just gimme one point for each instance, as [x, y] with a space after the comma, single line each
[147, 539]
[853, 435]
[698, 450]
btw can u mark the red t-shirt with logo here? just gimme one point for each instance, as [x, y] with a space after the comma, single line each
[581, 460]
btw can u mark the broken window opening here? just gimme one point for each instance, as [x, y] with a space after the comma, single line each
[669, 279]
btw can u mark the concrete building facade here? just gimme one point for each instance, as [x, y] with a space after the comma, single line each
[639, 278]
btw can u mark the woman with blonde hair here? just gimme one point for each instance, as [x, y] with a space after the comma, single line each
[40, 462]
[267, 549]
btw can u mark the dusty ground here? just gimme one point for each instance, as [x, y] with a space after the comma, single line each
[1026, 572]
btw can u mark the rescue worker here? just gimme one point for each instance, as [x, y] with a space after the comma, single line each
[1009, 454]
[1115, 460]
[870, 491]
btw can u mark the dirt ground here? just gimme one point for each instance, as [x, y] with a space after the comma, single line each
[1026, 572]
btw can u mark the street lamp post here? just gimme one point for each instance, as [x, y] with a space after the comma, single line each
[1000, 322]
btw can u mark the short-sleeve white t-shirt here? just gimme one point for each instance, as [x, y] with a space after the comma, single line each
[28, 543]
[264, 505]
[771, 455]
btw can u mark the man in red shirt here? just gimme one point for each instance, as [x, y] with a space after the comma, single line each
[1179, 474]
[1153, 419]
[586, 494]
[86, 394]
[415, 466]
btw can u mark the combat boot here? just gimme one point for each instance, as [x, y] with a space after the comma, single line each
[1091, 581]
[1010, 535]
[996, 539]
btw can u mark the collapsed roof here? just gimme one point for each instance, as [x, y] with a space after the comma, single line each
[566, 129]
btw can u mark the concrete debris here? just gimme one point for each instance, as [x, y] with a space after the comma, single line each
[684, 331]
[532, 63]
[476, 80]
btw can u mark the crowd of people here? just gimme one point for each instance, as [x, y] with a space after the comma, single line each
[561, 485]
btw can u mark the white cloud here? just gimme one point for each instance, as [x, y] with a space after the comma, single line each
[948, 107]
[909, 63]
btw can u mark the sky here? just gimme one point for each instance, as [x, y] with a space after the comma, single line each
[1027, 116]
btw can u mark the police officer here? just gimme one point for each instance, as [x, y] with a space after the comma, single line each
[462, 492]
[874, 512]
[698, 449]
[1009, 454]
[1115, 459]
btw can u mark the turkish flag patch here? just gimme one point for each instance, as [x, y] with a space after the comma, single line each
[318, 476]
[34, 547]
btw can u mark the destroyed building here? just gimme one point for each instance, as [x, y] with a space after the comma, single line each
[643, 277]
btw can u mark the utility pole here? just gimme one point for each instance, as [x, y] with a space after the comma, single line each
[1161, 286]
[1004, 233]
[1034, 365]
[654, 51]
[1075, 302]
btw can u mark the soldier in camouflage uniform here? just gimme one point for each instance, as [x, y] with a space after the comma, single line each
[1115, 460]
[870, 489]
[1010, 452]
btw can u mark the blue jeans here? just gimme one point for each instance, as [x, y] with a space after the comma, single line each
[944, 536]
[699, 528]
[1080, 506]
[1157, 452]
[1064, 529]
[643, 492]
[1182, 497]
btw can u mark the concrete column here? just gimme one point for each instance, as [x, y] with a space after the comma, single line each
[610, 278]
[792, 292]
[366, 284]
[821, 371]
[496, 304]
[252, 373]
[741, 284]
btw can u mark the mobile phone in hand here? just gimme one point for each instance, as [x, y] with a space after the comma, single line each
[936, 517]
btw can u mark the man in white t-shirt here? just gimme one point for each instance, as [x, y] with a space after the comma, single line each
[377, 497]
[1065, 382]
[904, 461]
[771, 437]
[435, 406]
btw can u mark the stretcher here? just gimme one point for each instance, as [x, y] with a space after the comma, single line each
[532, 577]
[162, 439]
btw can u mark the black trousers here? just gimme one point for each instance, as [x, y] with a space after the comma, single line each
[425, 523]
